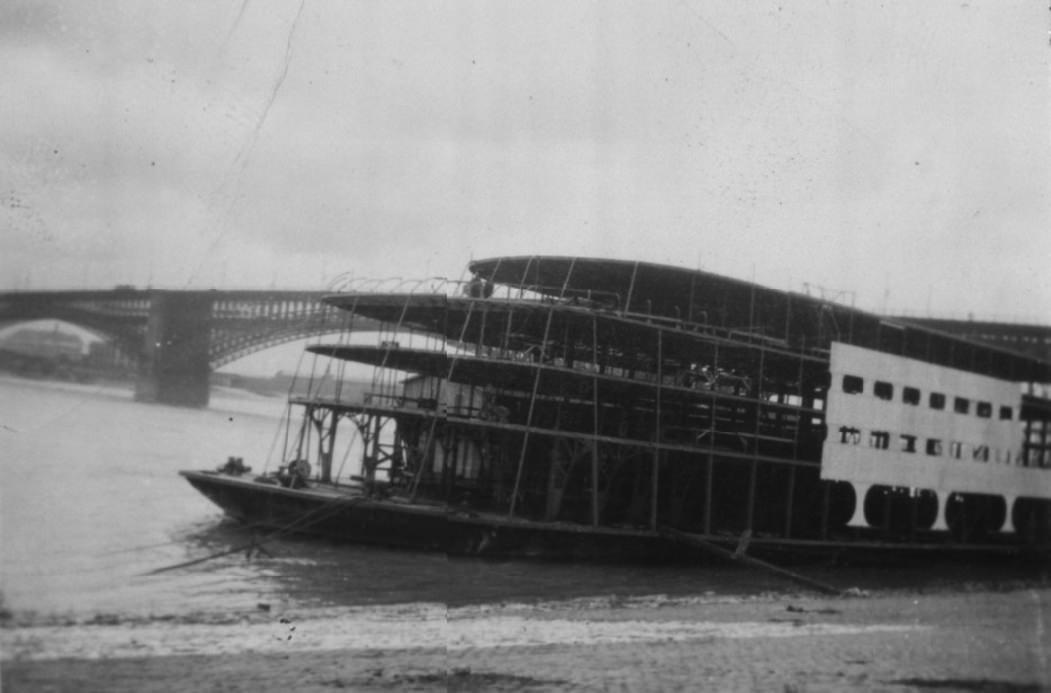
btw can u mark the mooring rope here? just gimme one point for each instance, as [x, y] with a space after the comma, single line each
[322, 512]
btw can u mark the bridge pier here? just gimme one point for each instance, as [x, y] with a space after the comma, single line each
[173, 366]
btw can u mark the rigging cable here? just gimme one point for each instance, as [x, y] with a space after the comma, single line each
[305, 520]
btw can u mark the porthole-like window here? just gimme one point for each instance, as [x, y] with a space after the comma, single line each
[984, 410]
[853, 385]
[937, 400]
[883, 390]
[910, 395]
[961, 405]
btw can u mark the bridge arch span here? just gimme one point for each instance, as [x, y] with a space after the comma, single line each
[226, 349]
[127, 338]
[177, 338]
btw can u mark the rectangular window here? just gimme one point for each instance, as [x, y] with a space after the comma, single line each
[879, 440]
[961, 405]
[980, 453]
[853, 385]
[910, 395]
[908, 443]
[1006, 413]
[937, 400]
[883, 390]
[956, 450]
[849, 435]
[984, 410]
[934, 447]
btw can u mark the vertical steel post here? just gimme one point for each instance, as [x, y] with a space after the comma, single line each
[711, 463]
[755, 443]
[326, 456]
[631, 289]
[657, 432]
[595, 429]
[532, 399]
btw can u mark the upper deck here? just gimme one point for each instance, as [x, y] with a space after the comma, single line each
[531, 298]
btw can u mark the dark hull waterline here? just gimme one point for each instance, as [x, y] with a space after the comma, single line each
[345, 515]
[353, 518]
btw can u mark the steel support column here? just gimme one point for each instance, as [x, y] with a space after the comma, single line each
[173, 367]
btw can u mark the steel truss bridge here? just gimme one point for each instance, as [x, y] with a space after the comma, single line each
[1031, 340]
[178, 338]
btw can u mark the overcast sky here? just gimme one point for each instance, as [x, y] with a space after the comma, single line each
[899, 150]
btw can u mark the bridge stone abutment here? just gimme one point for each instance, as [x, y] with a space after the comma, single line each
[174, 363]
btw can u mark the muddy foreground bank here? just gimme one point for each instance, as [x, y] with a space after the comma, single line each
[976, 640]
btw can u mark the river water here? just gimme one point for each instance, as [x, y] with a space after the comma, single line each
[90, 502]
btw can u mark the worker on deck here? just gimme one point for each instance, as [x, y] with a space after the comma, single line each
[478, 287]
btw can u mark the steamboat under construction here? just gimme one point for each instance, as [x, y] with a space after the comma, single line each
[579, 406]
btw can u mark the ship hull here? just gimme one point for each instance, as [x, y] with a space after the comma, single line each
[345, 515]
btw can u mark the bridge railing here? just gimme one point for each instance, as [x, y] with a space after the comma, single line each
[266, 308]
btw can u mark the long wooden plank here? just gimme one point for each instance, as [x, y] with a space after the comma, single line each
[740, 556]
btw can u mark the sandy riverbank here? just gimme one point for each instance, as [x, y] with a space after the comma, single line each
[964, 641]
